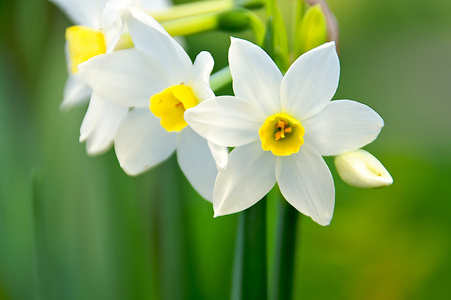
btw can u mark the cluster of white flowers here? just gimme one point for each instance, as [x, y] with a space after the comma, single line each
[151, 100]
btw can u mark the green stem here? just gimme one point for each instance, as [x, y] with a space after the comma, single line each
[201, 7]
[298, 15]
[186, 10]
[250, 271]
[237, 276]
[192, 25]
[220, 79]
[179, 27]
[275, 40]
[284, 258]
[38, 230]
[233, 19]
[239, 19]
[257, 28]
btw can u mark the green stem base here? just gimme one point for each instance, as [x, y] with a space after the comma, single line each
[250, 271]
[285, 251]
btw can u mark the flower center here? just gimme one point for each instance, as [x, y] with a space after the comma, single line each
[170, 105]
[82, 44]
[281, 134]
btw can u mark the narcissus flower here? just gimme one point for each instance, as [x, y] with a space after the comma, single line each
[96, 31]
[281, 126]
[361, 169]
[98, 28]
[157, 79]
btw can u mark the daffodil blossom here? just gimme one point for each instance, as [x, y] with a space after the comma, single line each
[96, 31]
[281, 127]
[99, 27]
[157, 79]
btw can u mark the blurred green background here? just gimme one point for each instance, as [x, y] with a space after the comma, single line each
[77, 227]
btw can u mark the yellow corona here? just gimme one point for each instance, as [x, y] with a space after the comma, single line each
[170, 106]
[281, 134]
[82, 44]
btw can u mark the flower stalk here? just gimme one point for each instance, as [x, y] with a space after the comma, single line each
[233, 19]
[284, 259]
[250, 271]
[186, 10]
[220, 79]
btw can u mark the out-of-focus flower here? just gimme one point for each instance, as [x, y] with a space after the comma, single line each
[98, 29]
[281, 126]
[160, 70]
[361, 169]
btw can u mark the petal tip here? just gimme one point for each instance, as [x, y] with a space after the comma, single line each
[219, 210]
[217, 213]
[64, 107]
[82, 137]
[324, 223]
[131, 171]
[323, 220]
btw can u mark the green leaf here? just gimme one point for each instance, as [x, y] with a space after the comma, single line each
[276, 41]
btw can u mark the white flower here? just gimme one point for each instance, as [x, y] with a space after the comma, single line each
[98, 28]
[281, 126]
[96, 31]
[159, 70]
[361, 169]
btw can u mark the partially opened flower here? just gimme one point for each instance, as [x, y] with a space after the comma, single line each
[281, 126]
[98, 28]
[157, 79]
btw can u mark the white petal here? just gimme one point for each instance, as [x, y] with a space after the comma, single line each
[114, 29]
[76, 92]
[220, 155]
[201, 76]
[116, 13]
[310, 82]
[82, 12]
[141, 142]
[196, 162]
[91, 116]
[108, 120]
[248, 177]
[138, 18]
[361, 169]
[113, 35]
[306, 183]
[149, 36]
[226, 121]
[342, 126]
[255, 75]
[113, 11]
[127, 77]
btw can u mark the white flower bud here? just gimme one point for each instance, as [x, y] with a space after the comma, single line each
[361, 169]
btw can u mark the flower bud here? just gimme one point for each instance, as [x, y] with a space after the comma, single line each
[312, 31]
[234, 20]
[331, 21]
[361, 169]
